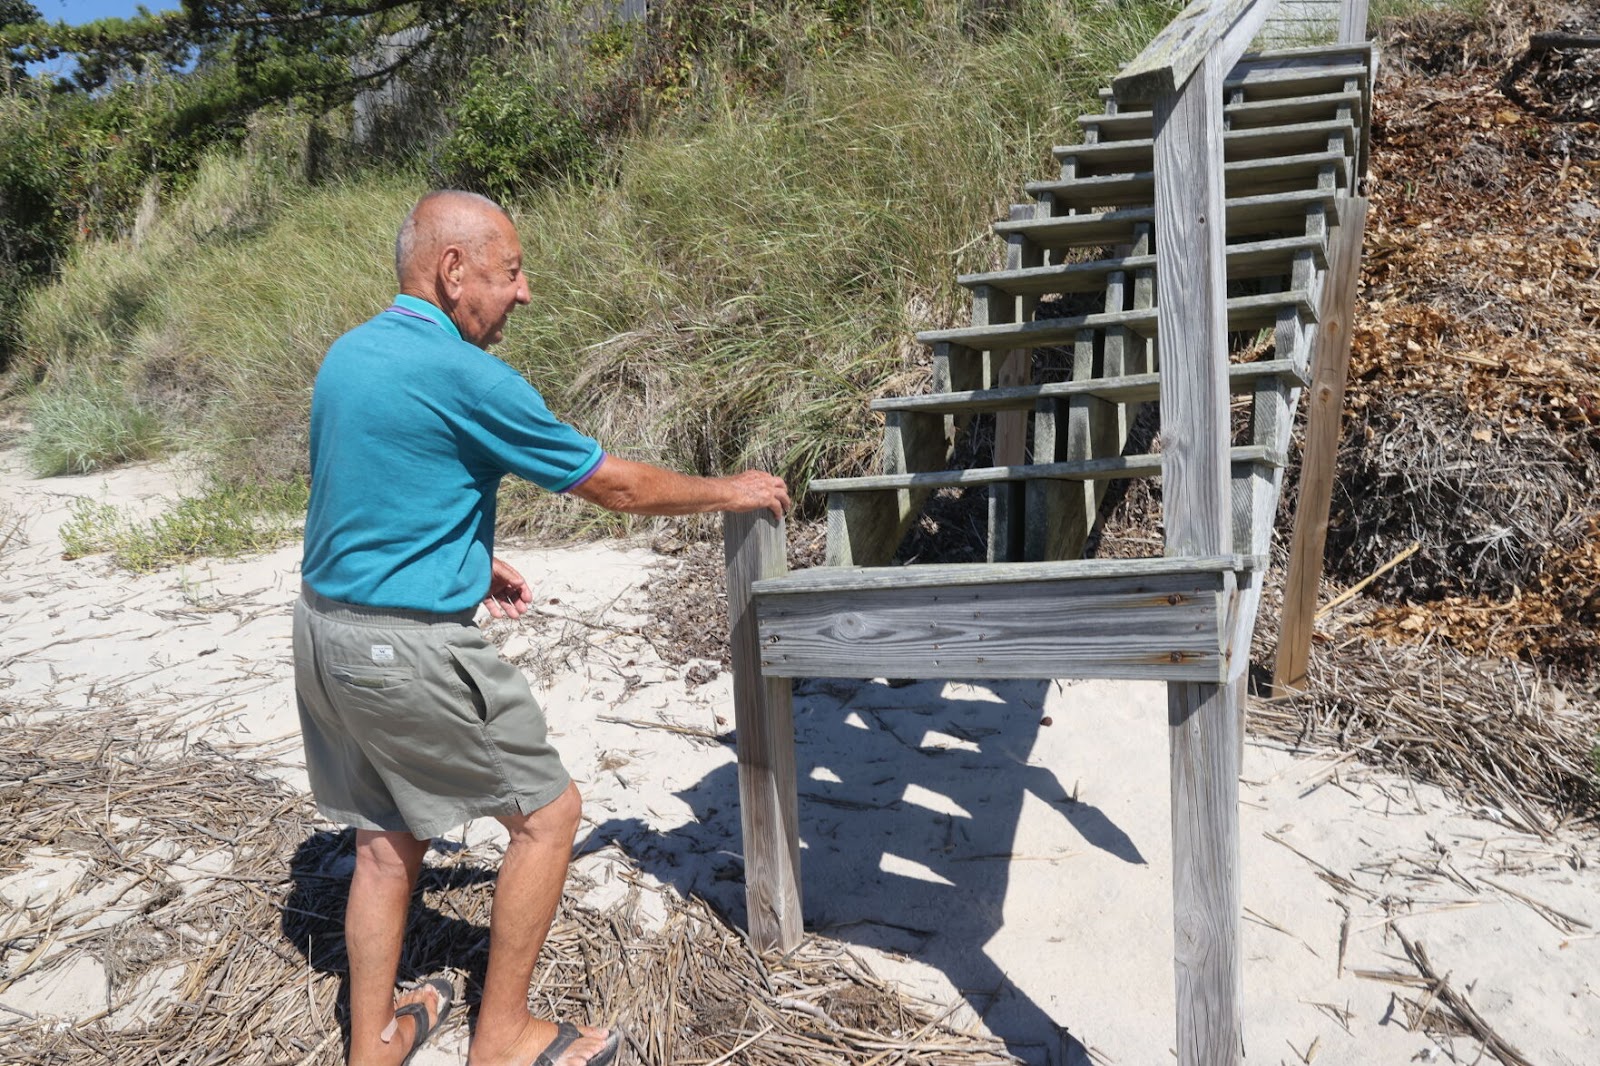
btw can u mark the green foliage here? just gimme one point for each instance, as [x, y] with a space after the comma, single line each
[749, 271]
[224, 520]
[513, 132]
[35, 228]
[91, 424]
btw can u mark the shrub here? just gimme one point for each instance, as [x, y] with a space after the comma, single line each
[513, 132]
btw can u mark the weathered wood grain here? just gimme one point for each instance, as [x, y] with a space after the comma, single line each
[1331, 367]
[1246, 114]
[1243, 312]
[866, 529]
[768, 802]
[1197, 518]
[841, 579]
[1207, 31]
[1353, 22]
[1269, 143]
[1203, 724]
[1193, 325]
[1014, 368]
[1113, 467]
[1158, 626]
[1247, 260]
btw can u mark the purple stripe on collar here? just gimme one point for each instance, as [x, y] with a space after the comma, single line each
[397, 309]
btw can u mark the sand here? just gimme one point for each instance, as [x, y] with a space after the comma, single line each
[1017, 870]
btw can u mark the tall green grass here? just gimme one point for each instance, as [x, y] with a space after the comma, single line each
[745, 276]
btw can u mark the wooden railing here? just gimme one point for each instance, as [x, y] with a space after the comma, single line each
[1180, 80]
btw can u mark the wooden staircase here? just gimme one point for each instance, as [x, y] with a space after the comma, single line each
[1293, 150]
[1213, 204]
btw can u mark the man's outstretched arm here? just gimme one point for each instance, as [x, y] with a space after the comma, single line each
[640, 488]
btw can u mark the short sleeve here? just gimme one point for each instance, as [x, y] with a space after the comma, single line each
[515, 431]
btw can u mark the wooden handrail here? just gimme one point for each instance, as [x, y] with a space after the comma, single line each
[1178, 51]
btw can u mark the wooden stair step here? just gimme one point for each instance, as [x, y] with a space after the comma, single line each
[1245, 215]
[1251, 114]
[1267, 80]
[1122, 618]
[1254, 259]
[1359, 57]
[1270, 142]
[1111, 468]
[1129, 388]
[1244, 312]
[1245, 177]
[960, 575]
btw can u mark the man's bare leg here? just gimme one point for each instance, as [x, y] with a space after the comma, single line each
[525, 899]
[374, 927]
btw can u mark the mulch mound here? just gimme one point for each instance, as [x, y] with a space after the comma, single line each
[1474, 401]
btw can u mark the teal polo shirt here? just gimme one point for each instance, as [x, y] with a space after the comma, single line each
[412, 429]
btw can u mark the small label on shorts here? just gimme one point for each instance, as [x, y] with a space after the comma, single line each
[382, 653]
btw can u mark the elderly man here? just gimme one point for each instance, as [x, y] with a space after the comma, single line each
[412, 722]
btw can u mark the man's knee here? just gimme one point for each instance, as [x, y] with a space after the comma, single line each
[557, 819]
[389, 855]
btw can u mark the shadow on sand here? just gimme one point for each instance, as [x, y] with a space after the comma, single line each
[910, 806]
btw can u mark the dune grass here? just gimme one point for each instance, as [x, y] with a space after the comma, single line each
[222, 520]
[742, 278]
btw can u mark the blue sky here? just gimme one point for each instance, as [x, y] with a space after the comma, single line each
[76, 11]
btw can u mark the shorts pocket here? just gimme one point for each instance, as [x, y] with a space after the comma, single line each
[473, 686]
[372, 678]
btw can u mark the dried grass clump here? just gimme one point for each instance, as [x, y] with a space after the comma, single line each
[254, 930]
[1491, 728]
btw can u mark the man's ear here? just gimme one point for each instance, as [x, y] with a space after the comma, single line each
[452, 271]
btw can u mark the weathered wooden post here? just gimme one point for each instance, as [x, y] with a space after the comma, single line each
[1324, 415]
[1204, 719]
[768, 803]
[1181, 74]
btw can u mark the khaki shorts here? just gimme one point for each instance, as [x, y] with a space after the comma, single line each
[413, 722]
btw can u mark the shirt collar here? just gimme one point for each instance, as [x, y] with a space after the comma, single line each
[429, 311]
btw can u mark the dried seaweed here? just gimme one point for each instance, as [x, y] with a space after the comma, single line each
[206, 869]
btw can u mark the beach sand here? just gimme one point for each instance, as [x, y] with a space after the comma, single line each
[1015, 870]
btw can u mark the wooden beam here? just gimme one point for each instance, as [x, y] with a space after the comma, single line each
[841, 579]
[866, 530]
[1353, 22]
[1152, 627]
[1014, 369]
[1242, 313]
[763, 716]
[1207, 31]
[1330, 368]
[1192, 322]
[1203, 726]
[1204, 718]
[1112, 468]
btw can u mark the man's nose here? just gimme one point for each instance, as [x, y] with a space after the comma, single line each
[523, 295]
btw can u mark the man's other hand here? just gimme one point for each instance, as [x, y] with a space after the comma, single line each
[755, 490]
[509, 595]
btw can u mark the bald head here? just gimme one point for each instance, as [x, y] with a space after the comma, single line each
[460, 252]
[440, 219]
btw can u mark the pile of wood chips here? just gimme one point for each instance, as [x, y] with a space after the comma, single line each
[1475, 379]
[212, 897]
